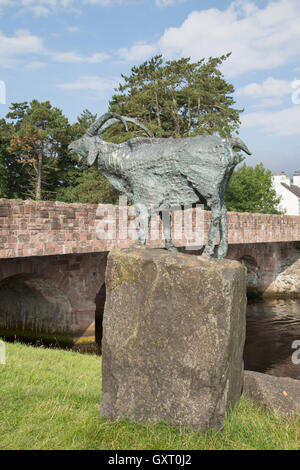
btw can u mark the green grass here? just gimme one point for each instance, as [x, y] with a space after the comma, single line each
[50, 400]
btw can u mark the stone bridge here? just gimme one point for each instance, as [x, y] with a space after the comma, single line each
[53, 259]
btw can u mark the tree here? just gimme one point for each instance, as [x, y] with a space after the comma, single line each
[17, 113]
[13, 178]
[250, 190]
[176, 98]
[39, 144]
[89, 186]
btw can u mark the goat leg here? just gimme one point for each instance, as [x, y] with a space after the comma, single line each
[166, 223]
[223, 245]
[143, 217]
[213, 228]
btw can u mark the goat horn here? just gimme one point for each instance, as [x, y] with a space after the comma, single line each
[112, 121]
[97, 125]
[137, 123]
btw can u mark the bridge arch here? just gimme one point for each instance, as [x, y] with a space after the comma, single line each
[253, 273]
[78, 278]
[33, 307]
[100, 303]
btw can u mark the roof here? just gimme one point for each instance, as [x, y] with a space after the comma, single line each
[293, 189]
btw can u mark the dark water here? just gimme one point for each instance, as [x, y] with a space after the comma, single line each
[272, 327]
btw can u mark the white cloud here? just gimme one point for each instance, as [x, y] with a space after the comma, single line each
[167, 3]
[270, 92]
[40, 10]
[3, 4]
[36, 7]
[269, 102]
[103, 3]
[19, 48]
[259, 38]
[270, 87]
[45, 7]
[278, 123]
[96, 83]
[137, 52]
[35, 65]
[73, 57]
[12, 49]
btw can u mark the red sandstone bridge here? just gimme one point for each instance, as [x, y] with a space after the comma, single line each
[59, 244]
[29, 228]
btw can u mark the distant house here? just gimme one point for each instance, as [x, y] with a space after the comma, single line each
[289, 190]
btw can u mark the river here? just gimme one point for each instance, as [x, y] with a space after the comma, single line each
[272, 328]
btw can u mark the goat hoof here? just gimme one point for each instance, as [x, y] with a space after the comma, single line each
[205, 256]
[172, 248]
[141, 245]
[221, 254]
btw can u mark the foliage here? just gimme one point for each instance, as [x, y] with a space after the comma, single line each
[176, 98]
[35, 161]
[88, 186]
[38, 145]
[250, 190]
[12, 175]
[50, 400]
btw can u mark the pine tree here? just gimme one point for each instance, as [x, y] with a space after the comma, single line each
[39, 145]
[176, 98]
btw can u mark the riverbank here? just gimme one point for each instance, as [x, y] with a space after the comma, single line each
[50, 399]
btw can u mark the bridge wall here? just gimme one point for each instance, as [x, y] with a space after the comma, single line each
[43, 228]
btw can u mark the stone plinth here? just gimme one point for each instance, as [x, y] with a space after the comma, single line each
[174, 330]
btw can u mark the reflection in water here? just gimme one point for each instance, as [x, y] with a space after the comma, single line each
[272, 326]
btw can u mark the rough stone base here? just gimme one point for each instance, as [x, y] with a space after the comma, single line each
[173, 337]
[280, 395]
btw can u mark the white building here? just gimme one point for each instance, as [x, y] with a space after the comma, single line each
[289, 190]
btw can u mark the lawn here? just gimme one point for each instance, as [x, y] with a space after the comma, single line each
[50, 400]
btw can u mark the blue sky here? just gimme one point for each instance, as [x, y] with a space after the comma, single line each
[72, 52]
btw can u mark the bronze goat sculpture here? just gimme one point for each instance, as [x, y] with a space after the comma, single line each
[160, 175]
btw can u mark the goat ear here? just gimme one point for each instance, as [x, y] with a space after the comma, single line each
[94, 148]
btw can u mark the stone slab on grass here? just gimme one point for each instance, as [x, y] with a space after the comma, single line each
[278, 394]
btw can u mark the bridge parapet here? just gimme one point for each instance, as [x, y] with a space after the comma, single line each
[42, 228]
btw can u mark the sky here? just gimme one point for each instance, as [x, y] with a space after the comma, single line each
[73, 52]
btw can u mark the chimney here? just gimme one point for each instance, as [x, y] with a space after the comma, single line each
[284, 178]
[296, 178]
[276, 179]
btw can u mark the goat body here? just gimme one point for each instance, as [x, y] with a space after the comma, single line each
[167, 173]
[159, 175]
